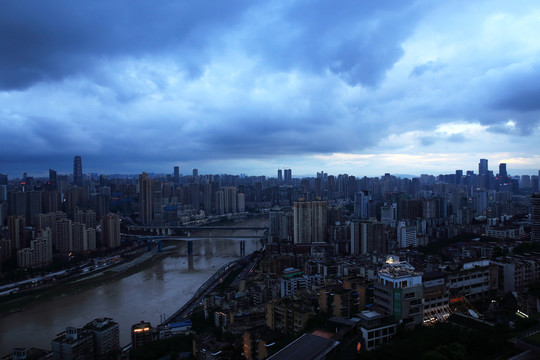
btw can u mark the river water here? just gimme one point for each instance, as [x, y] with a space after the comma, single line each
[156, 291]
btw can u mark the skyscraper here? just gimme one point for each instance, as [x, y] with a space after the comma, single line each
[459, 176]
[483, 167]
[280, 176]
[77, 171]
[52, 179]
[176, 175]
[502, 170]
[288, 175]
[146, 189]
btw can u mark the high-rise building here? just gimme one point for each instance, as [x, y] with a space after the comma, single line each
[16, 203]
[280, 176]
[16, 229]
[389, 214]
[87, 217]
[3, 212]
[367, 237]
[195, 175]
[361, 201]
[483, 167]
[3, 179]
[220, 202]
[106, 336]
[77, 171]
[141, 333]
[48, 220]
[206, 197]
[176, 175]
[535, 217]
[63, 235]
[302, 222]
[525, 182]
[146, 194]
[52, 179]
[319, 221]
[310, 221]
[73, 344]
[80, 237]
[502, 171]
[3, 193]
[288, 175]
[231, 199]
[406, 235]
[38, 254]
[240, 202]
[110, 230]
[398, 292]
[459, 176]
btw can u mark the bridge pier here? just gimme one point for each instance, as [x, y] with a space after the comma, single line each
[190, 247]
[242, 247]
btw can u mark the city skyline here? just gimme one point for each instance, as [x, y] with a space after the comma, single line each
[360, 88]
[176, 171]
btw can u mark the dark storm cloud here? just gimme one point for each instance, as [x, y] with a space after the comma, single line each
[513, 100]
[134, 84]
[356, 40]
[519, 90]
[48, 40]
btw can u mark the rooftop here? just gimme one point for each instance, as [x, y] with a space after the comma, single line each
[306, 347]
[398, 269]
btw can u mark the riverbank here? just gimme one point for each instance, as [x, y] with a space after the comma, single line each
[150, 295]
[20, 301]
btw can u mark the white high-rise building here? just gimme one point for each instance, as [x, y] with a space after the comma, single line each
[406, 235]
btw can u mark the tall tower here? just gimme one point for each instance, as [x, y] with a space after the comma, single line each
[146, 189]
[176, 175]
[483, 167]
[502, 171]
[288, 175]
[53, 179]
[280, 176]
[77, 171]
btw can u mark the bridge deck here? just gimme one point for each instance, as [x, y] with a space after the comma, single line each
[200, 227]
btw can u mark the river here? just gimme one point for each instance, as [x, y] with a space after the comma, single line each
[158, 290]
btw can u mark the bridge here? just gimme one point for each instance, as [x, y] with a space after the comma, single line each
[176, 229]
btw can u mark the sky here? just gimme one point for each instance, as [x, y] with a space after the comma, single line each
[356, 87]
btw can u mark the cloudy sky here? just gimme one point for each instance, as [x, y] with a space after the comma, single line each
[357, 87]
